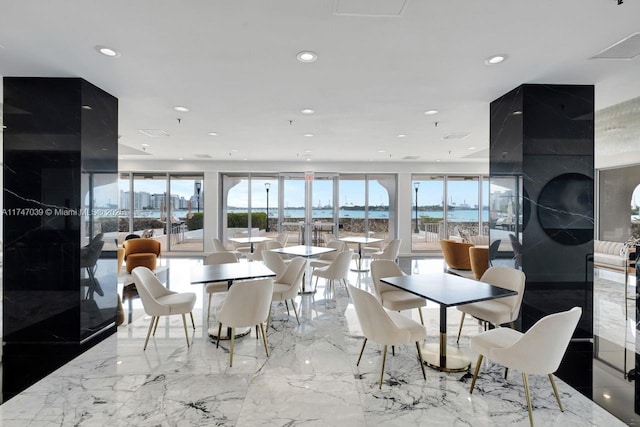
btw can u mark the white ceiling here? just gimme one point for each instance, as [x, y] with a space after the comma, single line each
[233, 63]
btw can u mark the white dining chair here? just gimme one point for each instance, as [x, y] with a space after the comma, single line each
[159, 301]
[538, 351]
[247, 305]
[498, 311]
[389, 296]
[217, 287]
[275, 263]
[390, 251]
[287, 286]
[218, 246]
[337, 270]
[385, 327]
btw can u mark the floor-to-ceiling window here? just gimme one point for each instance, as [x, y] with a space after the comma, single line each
[427, 219]
[367, 205]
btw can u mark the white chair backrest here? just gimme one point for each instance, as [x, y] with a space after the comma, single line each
[218, 246]
[384, 268]
[294, 272]
[328, 238]
[339, 267]
[338, 246]
[247, 303]
[220, 258]
[541, 348]
[508, 278]
[275, 263]
[391, 251]
[282, 238]
[375, 322]
[150, 289]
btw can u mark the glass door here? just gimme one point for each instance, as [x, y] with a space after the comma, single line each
[186, 213]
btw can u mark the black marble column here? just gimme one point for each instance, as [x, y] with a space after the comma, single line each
[60, 140]
[542, 143]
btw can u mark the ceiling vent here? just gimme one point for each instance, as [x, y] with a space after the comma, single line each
[153, 133]
[410, 157]
[627, 48]
[389, 8]
[203, 156]
[457, 135]
[125, 150]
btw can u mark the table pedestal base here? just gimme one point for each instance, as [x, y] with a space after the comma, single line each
[226, 332]
[455, 360]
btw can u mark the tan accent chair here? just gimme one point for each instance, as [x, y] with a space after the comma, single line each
[247, 305]
[385, 327]
[500, 310]
[389, 296]
[141, 253]
[539, 351]
[159, 301]
[479, 258]
[456, 254]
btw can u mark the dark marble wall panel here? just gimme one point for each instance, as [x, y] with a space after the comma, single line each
[52, 148]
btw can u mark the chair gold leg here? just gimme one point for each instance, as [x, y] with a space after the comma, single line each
[361, 351]
[149, 333]
[192, 322]
[475, 373]
[420, 313]
[233, 334]
[384, 358]
[424, 375]
[513, 325]
[555, 391]
[287, 305]
[264, 339]
[460, 328]
[293, 304]
[155, 328]
[527, 394]
[219, 332]
[184, 323]
[209, 308]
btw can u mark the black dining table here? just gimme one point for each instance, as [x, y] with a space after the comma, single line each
[229, 273]
[448, 290]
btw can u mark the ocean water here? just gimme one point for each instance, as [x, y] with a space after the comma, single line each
[458, 215]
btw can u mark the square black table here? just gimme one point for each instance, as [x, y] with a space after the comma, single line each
[303, 251]
[228, 273]
[447, 290]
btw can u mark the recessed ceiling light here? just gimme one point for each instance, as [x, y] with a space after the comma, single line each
[308, 160]
[437, 160]
[154, 133]
[107, 51]
[401, 135]
[212, 134]
[308, 151]
[495, 59]
[381, 151]
[306, 56]
[457, 135]
[308, 134]
[145, 145]
[307, 111]
[86, 107]
[180, 158]
[234, 151]
[181, 109]
[471, 148]
[431, 112]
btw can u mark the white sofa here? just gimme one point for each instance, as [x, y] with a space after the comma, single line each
[612, 256]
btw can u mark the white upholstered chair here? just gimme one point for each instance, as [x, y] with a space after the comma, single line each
[217, 287]
[218, 246]
[287, 286]
[247, 305]
[371, 248]
[539, 351]
[385, 327]
[389, 252]
[500, 310]
[275, 263]
[159, 301]
[337, 270]
[282, 238]
[327, 258]
[261, 247]
[389, 296]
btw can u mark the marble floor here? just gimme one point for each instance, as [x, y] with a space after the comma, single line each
[310, 377]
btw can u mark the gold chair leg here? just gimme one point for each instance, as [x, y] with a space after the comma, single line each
[555, 391]
[149, 333]
[361, 351]
[424, 375]
[293, 304]
[264, 339]
[513, 325]
[233, 334]
[527, 394]
[209, 308]
[155, 328]
[219, 332]
[184, 323]
[420, 313]
[287, 305]
[475, 373]
[192, 322]
[460, 328]
[384, 358]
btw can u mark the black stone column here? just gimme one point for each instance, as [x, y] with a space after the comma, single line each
[60, 143]
[542, 142]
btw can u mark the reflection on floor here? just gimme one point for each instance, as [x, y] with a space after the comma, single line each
[310, 377]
